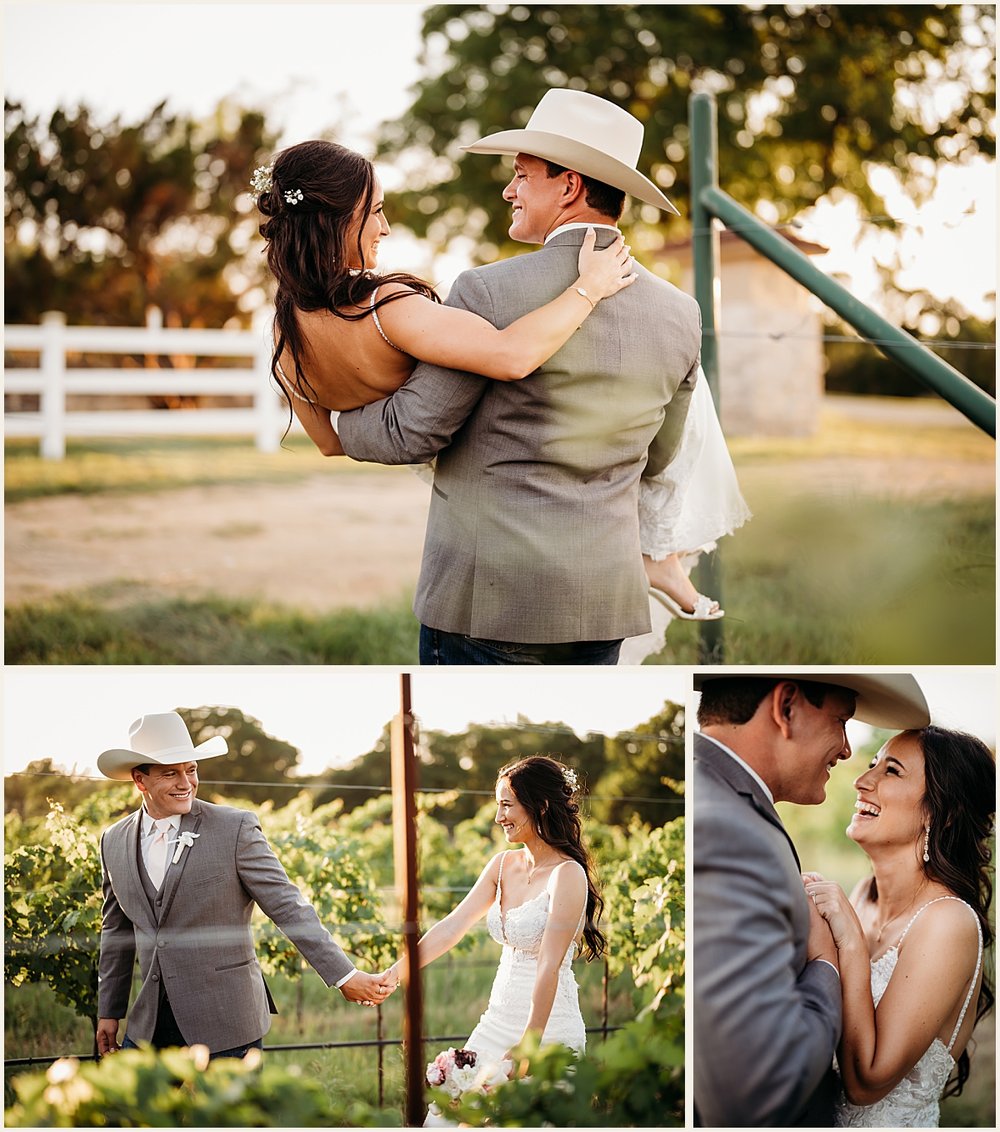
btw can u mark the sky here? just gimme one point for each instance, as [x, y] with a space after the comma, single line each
[316, 66]
[72, 713]
[332, 715]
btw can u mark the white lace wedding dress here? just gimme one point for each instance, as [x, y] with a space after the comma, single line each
[913, 1103]
[687, 507]
[519, 930]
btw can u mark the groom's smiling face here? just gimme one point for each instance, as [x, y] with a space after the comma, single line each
[534, 197]
[819, 742]
[168, 790]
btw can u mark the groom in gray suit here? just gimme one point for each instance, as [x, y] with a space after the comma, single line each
[532, 550]
[181, 878]
[766, 989]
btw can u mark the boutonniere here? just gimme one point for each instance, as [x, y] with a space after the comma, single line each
[184, 841]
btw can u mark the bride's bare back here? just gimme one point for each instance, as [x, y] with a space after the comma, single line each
[349, 363]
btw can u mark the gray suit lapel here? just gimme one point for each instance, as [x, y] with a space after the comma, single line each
[189, 824]
[131, 836]
[730, 771]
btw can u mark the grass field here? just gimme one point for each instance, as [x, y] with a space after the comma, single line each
[873, 542]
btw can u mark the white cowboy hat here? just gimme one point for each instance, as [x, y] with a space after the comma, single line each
[585, 133]
[893, 700]
[162, 739]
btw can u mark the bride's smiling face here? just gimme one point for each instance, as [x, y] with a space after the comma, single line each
[890, 805]
[512, 817]
[375, 226]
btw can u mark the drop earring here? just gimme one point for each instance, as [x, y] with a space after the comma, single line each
[927, 841]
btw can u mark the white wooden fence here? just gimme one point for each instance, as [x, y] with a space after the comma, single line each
[265, 419]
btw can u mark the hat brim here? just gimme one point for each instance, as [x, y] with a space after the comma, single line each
[118, 763]
[577, 156]
[890, 700]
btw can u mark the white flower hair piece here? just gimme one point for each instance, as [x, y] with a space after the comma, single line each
[569, 774]
[294, 196]
[262, 179]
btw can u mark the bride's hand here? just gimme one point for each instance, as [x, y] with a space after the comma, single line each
[832, 904]
[605, 273]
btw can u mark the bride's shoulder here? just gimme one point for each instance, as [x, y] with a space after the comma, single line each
[949, 913]
[569, 871]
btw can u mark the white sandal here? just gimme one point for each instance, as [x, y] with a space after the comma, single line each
[702, 607]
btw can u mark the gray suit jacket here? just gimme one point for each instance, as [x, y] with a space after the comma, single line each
[533, 534]
[195, 941]
[766, 1021]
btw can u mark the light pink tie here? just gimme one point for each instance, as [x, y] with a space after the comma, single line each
[157, 865]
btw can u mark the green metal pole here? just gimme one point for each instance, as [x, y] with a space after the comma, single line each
[705, 252]
[913, 356]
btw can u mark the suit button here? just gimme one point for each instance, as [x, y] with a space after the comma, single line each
[161, 943]
[156, 978]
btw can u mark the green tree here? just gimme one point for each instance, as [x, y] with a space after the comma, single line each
[809, 97]
[462, 766]
[103, 218]
[254, 760]
[645, 771]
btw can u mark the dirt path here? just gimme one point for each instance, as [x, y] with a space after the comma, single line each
[318, 545]
[326, 543]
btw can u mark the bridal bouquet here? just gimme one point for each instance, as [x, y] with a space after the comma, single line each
[455, 1071]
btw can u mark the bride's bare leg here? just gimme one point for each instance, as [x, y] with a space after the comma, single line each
[669, 576]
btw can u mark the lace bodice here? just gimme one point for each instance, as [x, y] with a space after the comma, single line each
[913, 1103]
[521, 928]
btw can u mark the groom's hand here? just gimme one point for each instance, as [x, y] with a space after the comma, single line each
[369, 990]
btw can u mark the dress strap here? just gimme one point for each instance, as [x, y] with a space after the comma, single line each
[979, 957]
[378, 324]
[291, 388]
[975, 976]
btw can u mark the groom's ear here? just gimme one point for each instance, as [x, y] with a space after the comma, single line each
[782, 701]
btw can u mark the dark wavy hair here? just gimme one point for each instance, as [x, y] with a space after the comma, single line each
[539, 784]
[307, 245]
[960, 800]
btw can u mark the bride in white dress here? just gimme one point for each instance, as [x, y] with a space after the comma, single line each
[342, 340]
[541, 906]
[911, 939]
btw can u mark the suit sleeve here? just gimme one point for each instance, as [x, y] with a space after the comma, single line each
[764, 1032]
[263, 877]
[415, 422]
[117, 956]
[668, 439]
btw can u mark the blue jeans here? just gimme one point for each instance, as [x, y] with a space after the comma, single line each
[439, 647]
[236, 1051]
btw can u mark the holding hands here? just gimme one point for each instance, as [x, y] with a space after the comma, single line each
[368, 990]
[830, 901]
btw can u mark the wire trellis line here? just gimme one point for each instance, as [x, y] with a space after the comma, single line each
[235, 787]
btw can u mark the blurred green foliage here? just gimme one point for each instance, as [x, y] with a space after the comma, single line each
[180, 1088]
